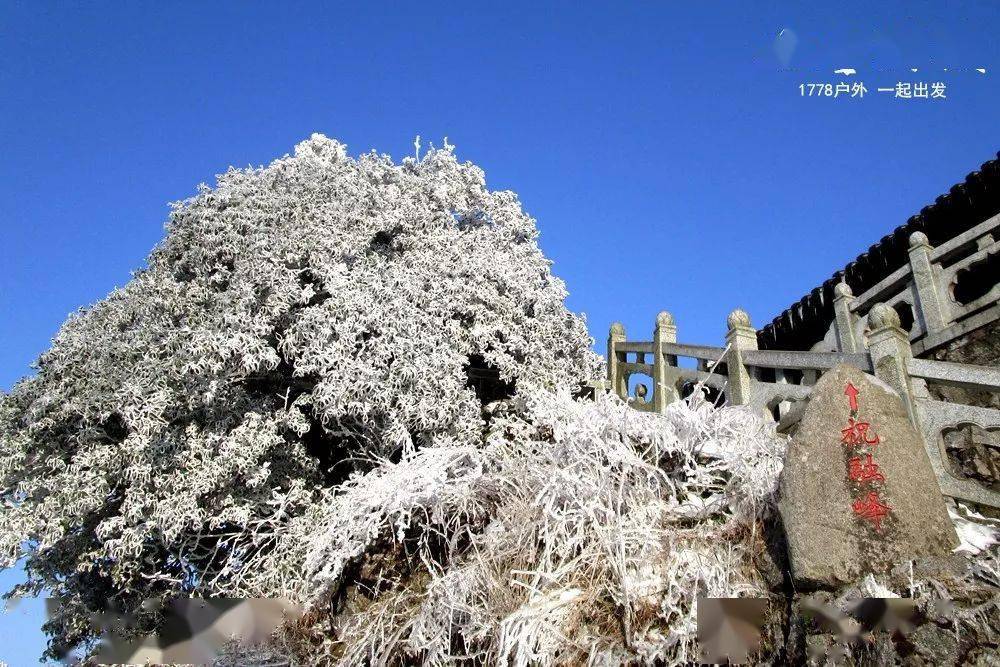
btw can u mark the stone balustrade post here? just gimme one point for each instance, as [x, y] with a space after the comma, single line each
[664, 389]
[845, 319]
[889, 347]
[616, 379]
[932, 308]
[741, 336]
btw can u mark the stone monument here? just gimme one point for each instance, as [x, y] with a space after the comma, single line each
[858, 493]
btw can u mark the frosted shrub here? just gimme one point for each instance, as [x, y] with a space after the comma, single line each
[581, 531]
[297, 321]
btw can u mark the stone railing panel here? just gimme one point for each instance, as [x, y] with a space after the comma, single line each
[700, 352]
[804, 360]
[967, 376]
[923, 292]
[936, 417]
[947, 251]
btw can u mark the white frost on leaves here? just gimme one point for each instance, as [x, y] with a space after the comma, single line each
[321, 304]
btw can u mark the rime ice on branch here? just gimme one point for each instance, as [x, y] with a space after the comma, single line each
[296, 317]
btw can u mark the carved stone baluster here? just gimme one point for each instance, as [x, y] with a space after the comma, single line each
[932, 308]
[617, 382]
[664, 382]
[845, 319]
[889, 347]
[741, 336]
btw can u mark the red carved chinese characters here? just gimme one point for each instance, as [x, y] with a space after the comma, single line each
[871, 509]
[856, 433]
[862, 469]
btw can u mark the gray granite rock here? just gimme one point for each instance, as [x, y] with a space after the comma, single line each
[846, 514]
[933, 645]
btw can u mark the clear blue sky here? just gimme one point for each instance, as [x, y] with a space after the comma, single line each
[670, 164]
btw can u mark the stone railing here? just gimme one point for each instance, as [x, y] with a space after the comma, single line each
[779, 382]
[940, 294]
[770, 380]
[939, 417]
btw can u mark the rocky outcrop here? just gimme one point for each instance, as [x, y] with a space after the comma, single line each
[858, 494]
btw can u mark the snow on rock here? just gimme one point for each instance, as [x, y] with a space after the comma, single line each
[976, 532]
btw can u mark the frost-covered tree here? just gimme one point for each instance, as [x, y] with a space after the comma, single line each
[297, 321]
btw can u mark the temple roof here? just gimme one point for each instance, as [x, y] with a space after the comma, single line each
[805, 322]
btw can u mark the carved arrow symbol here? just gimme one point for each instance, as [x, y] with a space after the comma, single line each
[852, 394]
